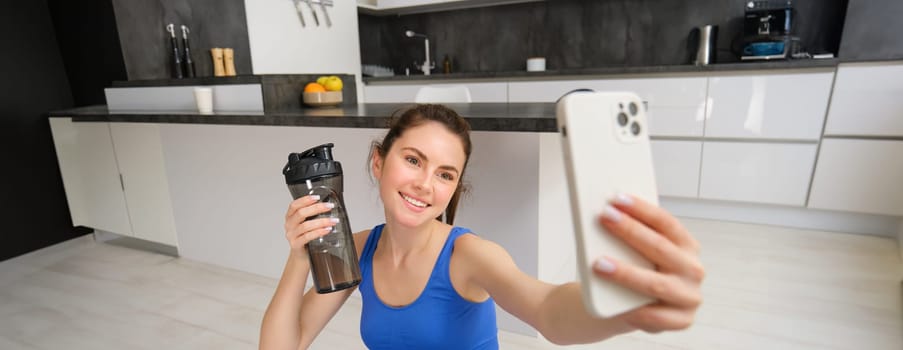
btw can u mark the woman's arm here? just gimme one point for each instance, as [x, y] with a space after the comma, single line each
[557, 311]
[292, 321]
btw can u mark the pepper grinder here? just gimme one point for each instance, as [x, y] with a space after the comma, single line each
[229, 61]
[189, 63]
[176, 61]
[219, 69]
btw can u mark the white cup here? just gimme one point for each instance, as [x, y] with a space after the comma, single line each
[204, 98]
[536, 64]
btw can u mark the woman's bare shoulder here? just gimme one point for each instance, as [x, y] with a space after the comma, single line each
[360, 239]
[475, 247]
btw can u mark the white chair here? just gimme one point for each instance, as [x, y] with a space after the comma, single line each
[443, 94]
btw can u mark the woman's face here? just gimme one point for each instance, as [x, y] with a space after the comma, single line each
[419, 174]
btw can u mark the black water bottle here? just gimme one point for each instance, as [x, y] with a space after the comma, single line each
[333, 257]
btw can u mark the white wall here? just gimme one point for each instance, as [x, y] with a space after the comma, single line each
[280, 45]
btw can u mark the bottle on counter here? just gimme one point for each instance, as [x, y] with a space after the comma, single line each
[219, 69]
[229, 61]
[446, 65]
[176, 61]
[188, 62]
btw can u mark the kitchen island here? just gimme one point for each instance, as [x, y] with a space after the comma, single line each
[210, 187]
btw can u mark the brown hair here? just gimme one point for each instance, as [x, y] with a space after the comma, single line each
[403, 120]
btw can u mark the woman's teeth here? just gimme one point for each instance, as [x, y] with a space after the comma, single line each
[414, 202]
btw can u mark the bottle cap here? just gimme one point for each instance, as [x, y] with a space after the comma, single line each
[311, 164]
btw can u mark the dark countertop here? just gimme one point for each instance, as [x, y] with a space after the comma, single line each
[616, 70]
[531, 117]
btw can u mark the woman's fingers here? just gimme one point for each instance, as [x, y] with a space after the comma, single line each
[657, 219]
[670, 289]
[303, 208]
[310, 230]
[654, 246]
[657, 317]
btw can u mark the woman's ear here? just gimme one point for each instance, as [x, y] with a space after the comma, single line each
[376, 163]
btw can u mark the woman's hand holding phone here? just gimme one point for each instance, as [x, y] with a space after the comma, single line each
[677, 275]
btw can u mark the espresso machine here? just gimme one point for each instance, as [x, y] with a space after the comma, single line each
[767, 29]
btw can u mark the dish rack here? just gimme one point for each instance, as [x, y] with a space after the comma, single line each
[376, 71]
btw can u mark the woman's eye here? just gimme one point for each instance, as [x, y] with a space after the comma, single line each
[412, 160]
[447, 176]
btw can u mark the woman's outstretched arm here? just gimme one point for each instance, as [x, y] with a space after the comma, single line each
[558, 312]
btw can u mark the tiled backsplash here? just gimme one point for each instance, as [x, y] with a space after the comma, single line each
[579, 33]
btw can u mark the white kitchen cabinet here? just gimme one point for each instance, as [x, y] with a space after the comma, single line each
[867, 100]
[90, 175]
[677, 167]
[860, 176]
[405, 93]
[773, 173]
[676, 106]
[140, 157]
[773, 106]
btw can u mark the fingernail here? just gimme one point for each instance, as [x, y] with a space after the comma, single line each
[330, 205]
[623, 199]
[334, 220]
[604, 265]
[611, 214]
[315, 197]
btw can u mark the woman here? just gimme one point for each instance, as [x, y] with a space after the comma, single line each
[427, 284]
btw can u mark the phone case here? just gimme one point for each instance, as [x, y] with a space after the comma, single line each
[606, 152]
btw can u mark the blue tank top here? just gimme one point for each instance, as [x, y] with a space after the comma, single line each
[438, 319]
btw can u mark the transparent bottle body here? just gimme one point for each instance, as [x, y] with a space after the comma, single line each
[333, 258]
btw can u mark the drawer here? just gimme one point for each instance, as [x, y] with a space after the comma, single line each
[773, 173]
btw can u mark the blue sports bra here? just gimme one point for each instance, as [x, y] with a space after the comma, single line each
[438, 319]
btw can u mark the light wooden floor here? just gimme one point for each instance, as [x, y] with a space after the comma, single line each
[767, 288]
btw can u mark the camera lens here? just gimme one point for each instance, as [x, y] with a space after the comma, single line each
[622, 119]
[633, 108]
[635, 128]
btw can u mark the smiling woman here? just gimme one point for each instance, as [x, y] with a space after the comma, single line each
[426, 284]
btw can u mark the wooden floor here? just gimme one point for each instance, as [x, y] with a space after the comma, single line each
[767, 288]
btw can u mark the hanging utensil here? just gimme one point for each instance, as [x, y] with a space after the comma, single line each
[325, 14]
[300, 12]
[314, 12]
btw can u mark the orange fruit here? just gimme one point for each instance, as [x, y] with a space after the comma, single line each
[314, 87]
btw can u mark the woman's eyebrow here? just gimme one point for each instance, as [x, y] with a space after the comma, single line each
[423, 156]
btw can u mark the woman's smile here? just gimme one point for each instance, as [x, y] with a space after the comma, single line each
[416, 204]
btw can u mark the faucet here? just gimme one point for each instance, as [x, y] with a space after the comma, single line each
[427, 65]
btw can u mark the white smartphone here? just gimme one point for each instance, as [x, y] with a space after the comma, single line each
[606, 148]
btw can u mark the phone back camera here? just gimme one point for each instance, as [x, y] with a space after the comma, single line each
[635, 128]
[622, 119]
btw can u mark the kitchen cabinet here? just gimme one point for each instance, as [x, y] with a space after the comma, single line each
[867, 100]
[139, 154]
[677, 167]
[90, 175]
[479, 92]
[114, 178]
[675, 106]
[772, 173]
[859, 176]
[768, 106]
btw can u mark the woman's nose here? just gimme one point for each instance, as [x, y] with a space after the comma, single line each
[424, 181]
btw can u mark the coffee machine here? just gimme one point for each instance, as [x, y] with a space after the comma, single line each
[767, 30]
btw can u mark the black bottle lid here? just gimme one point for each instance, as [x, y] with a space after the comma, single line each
[311, 164]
